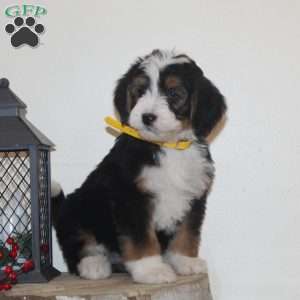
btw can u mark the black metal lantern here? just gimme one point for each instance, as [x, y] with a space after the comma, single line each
[25, 187]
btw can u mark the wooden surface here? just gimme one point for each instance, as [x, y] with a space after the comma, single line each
[119, 286]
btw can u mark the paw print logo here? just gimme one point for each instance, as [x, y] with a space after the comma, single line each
[24, 33]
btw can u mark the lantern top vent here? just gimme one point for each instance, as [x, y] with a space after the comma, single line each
[15, 130]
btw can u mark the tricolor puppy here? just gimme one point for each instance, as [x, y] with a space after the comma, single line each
[146, 202]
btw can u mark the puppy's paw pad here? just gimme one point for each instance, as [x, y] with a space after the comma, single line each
[158, 274]
[185, 265]
[94, 267]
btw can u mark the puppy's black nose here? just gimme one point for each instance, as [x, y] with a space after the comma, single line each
[148, 119]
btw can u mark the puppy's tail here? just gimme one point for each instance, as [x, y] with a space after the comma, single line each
[57, 197]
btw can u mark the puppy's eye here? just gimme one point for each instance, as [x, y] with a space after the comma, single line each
[172, 93]
[138, 91]
[176, 93]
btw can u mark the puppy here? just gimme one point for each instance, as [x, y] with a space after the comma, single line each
[145, 203]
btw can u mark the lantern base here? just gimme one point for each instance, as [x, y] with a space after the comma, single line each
[36, 276]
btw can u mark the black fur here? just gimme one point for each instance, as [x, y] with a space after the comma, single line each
[204, 101]
[121, 91]
[208, 107]
[108, 204]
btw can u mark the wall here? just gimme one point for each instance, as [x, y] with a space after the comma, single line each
[250, 49]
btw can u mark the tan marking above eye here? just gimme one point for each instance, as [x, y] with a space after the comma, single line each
[140, 80]
[172, 82]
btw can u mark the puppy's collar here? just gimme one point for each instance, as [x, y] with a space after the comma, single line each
[180, 145]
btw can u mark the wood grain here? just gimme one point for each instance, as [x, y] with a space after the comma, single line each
[119, 286]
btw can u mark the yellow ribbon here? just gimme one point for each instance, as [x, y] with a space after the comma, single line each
[180, 145]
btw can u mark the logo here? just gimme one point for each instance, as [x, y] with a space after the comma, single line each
[24, 29]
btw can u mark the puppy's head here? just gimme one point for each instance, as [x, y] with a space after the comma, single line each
[166, 97]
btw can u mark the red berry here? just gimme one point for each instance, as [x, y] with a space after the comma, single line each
[15, 247]
[13, 254]
[44, 248]
[12, 276]
[1, 255]
[27, 266]
[7, 270]
[6, 286]
[10, 241]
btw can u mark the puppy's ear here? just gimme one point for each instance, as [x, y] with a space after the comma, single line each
[208, 107]
[122, 99]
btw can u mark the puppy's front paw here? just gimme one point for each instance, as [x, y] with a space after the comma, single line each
[94, 267]
[185, 265]
[151, 270]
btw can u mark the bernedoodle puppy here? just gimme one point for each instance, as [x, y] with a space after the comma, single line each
[145, 202]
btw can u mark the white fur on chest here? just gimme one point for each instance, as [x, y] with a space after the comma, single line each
[181, 177]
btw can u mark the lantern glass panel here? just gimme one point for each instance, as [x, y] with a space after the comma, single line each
[15, 194]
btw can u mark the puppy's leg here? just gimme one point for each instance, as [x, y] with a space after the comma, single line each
[138, 243]
[94, 262]
[143, 260]
[182, 253]
[94, 267]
